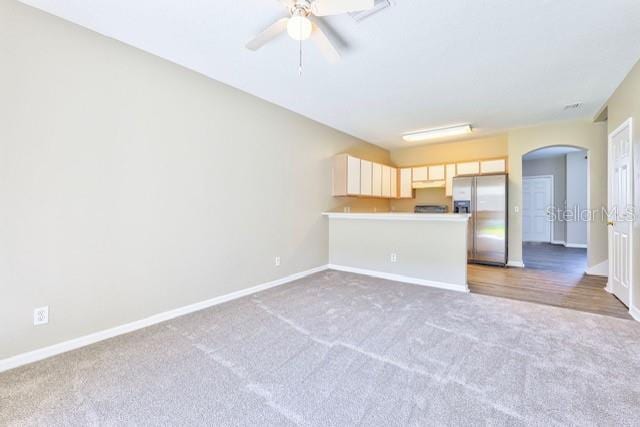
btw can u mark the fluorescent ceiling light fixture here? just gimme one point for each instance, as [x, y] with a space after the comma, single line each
[424, 135]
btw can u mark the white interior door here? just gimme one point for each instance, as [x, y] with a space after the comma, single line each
[536, 197]
[620, 217]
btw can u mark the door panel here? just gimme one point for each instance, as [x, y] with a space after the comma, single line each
[376, 186]
[353, 176]
[490, 213]
[365, 178]
[536, 197]
[421, 174]
[386, 181]
[451, 173]
[394, 183]
[620, 221]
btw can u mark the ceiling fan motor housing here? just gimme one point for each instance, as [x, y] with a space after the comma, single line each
[301, 8]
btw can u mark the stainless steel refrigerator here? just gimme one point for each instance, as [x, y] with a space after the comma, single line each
[485, 198]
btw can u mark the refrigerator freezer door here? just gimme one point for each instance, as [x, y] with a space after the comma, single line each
[463, 191]
[491, 219]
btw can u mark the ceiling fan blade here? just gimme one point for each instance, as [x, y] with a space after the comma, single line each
[277, 28]
[287, 3]
[338, 7]
[324, 44]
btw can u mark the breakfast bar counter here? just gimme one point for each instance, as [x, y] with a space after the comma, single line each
[423, 249]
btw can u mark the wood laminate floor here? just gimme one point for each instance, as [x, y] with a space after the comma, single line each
[554, 275]
[545, 256]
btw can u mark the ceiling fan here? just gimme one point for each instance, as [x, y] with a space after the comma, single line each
[302, 23]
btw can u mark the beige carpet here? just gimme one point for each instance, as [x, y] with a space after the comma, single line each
[343, 349]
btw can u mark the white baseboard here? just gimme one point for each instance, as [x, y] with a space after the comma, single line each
[63, 347]
[559, 242]
[515, 264]
[401, 278]
[576, 245]
[601, 269]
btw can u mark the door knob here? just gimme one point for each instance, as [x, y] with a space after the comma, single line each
[610, 223]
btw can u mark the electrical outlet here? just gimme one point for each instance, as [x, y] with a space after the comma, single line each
[277, 261]
[41, 316]
[394, 257]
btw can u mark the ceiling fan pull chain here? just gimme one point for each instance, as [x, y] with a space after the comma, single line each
[300, 64]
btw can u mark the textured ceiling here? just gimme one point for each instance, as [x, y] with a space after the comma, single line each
[497, 64]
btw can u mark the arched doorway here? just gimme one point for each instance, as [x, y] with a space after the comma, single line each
[555, 203]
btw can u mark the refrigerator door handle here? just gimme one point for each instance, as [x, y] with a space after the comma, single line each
[475, 216]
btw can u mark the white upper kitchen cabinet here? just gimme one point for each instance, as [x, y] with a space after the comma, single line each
[386, 181]
[346, 175]
[366, 178]
[493, 166]
[406, 183]
[468, 168]
[394, 183]
[451, 173]
[421, 173]
[377, 180]
[436, 173]
[353, 175]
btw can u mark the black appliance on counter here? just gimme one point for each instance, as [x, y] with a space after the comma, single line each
[431, 209]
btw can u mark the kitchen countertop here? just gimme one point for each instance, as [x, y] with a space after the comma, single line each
[398, 216]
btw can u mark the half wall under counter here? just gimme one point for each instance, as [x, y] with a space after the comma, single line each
[423, 249]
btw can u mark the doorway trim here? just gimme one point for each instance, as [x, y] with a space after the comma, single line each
[552, 197]
[635, 313]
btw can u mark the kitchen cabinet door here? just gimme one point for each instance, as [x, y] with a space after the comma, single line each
[377, 180]
[345, 175]
[420, 174]
[436, 173]
[386, 181]
[468, 168]
[451, 173]
[339, 175]
[353, 176]
[493, 166]
[366, 178]
[406, 183]
[394, 183]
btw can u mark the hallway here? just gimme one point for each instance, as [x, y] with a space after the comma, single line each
[545, 256]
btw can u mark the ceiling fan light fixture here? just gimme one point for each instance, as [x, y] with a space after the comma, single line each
[437, 133]
[299, 27]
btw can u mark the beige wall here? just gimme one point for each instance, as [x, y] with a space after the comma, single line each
[457, 151]
[131, 186]
[471, 149]
[577, 169]
[583, 134]
[625, 103]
